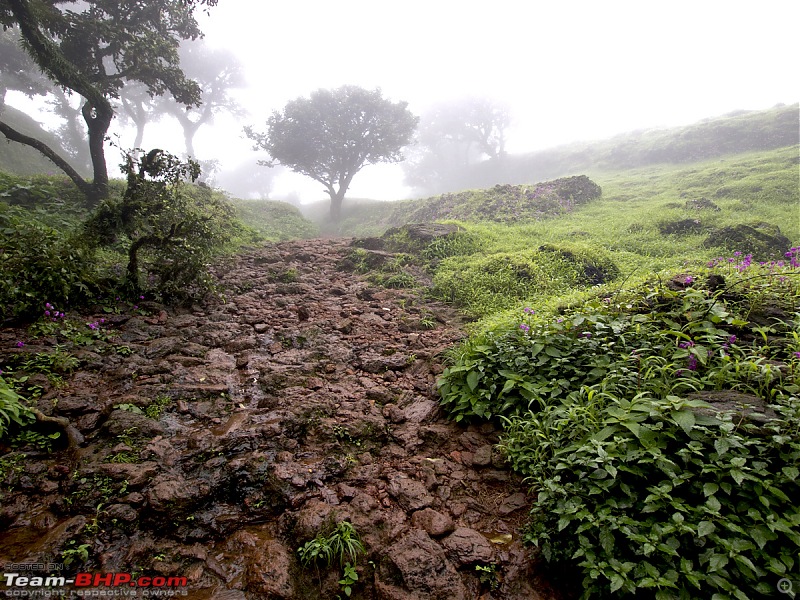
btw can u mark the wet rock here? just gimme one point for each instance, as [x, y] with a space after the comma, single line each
[466, 546]
[433, 522]
[137, 475]
[417, 567]
[421, 410]
[375, 363]
[410, 494]
[160, 347]
[126, 422]
[482, 456]
[173, 494]
[513, 503]
[268, 571]
[747, 407]
[312, 518]
[122, 512]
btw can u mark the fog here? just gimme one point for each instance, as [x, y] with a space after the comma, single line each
[566, 71]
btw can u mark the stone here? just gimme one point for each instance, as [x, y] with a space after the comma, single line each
[433, 522]
[466, 547]
[173, 494]
[417, 567]
[410, 494]
[482, 456]
[161, 347]
[268, 571]
[512, 503]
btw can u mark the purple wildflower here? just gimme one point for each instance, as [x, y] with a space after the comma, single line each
[20, 344]
[732, 339]
[685, 345]
[691, 364]
[797, 354]
[524, 327]
[528, 310]
[689, 279]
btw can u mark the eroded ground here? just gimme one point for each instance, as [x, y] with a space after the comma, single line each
[306, 397]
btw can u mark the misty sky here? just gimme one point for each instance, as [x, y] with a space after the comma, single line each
[568, 70]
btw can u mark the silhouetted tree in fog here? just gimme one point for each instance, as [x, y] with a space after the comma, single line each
[452, 138]
[332, 135]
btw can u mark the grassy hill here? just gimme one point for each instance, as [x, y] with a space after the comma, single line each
[740, 132]
[18, 159]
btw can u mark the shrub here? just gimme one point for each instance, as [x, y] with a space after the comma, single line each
[486, 284]
[39, 263]
[642, 488]
[654, 496]
[12, 410]
[168, 230]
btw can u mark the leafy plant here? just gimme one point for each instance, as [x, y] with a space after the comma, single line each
[12, 410]
[657, 496]
[487, 575]
[168, 230]
[156, 408]
[40, 441]
[75, 554]
[340, 545]
[349, 577]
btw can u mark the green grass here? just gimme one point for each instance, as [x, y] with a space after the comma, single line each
[274, 221]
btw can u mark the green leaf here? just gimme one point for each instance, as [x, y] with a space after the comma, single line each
[717, 562]
[684, 418]
[472, 380]
[721, 445]
[607, 540]
[704, 528]
[709, 489]
[791, 472]
[761, 535]
[510, 383]
[553, 352]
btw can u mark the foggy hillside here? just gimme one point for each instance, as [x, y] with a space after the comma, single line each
[743, 131]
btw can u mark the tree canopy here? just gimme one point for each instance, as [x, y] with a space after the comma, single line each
[332, 135]
[93, 48]
[453, 137]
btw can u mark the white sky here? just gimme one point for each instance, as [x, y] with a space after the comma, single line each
[568, 70]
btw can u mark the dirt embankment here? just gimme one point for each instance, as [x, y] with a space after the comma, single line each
[305, 398]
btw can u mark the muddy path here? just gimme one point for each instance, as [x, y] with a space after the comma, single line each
[219, 439]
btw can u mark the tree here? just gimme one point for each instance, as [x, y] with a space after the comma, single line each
[215, 71]
[332, 135]
[454, 137]
[95, 47]
[168, 229]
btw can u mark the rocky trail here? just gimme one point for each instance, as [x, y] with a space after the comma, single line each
[212, 442]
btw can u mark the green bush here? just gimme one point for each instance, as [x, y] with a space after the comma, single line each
[638, 486]
[39, 264]
[12, 410]
[649, 495]
[168, 230]
[658, 339]
[486, 284]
